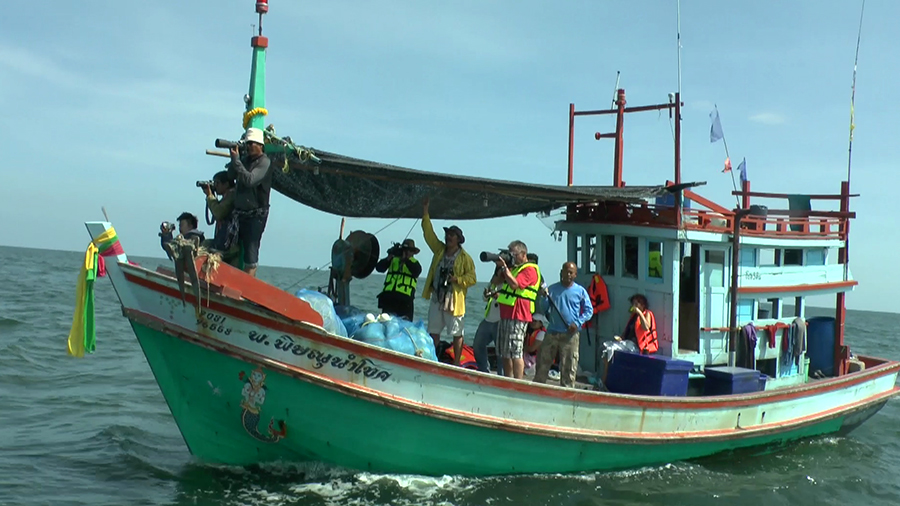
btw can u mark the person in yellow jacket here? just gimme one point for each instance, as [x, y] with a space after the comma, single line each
[451, 274]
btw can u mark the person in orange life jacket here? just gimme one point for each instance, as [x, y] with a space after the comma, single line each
[570, 307]
[536, 330]
[399, 292]
[487, 329]
[641, 326]
[516, 300]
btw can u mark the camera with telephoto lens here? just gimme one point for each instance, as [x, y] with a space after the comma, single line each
[504, 254]
[241, 145]
[167, 227]
[396, 250]
[203, 184]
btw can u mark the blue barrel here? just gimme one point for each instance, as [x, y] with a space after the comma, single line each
[820, 344]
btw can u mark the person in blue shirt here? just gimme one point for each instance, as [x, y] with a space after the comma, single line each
[569, 308]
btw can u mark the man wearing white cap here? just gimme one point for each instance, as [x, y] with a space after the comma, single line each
[253, 175]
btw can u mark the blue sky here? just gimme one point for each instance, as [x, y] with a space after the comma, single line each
[114, 103]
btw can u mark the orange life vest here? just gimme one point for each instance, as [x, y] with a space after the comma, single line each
[531, 337]
[599, 297]
[646, 339]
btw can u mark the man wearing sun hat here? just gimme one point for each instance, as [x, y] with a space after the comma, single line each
[253, 174]
[399, 292]
[451, 274]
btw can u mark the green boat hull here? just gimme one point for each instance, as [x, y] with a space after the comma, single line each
[298, 420]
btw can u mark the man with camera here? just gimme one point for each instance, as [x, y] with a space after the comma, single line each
[399, 292]
[451, 274]
[516, 297]
[187, 228]
[225, 239]
[252, 171]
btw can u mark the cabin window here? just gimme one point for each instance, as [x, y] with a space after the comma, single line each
[815, 257]
[799, 302]
[654, 261]
[714, 268]
[745, 311]
[576, 245]
[630, 254]
[770, 308]
[609, 255]
[767, 257]
[793, 257]
[591, 262]
[748, 257]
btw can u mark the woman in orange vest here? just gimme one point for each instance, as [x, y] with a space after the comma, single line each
[641, 327]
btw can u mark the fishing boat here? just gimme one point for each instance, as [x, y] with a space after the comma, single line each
[251, 374]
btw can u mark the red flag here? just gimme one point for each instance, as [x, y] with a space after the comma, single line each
[727, 165]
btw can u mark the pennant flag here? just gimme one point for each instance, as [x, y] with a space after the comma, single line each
[742, 168]
[727, 165]
[715, 131]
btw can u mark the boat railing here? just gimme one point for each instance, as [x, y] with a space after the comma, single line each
[781, 223]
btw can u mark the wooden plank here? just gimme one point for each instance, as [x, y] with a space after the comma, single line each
[259, 292]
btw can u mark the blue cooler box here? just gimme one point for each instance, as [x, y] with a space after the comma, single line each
[630, 373]
[731, 380]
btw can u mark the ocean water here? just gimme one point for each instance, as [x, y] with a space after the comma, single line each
[97, 431]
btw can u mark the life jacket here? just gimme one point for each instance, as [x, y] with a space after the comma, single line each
[468, 356]
[531, 337]
[507, 296]
[599, 297]
[399, 279]
[487, 307]
[646, 339]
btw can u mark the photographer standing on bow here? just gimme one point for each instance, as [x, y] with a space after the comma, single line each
[252, 171]
[225, 239]
[516, 299]
[399, 292]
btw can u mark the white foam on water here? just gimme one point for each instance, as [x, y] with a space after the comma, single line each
[413, 489]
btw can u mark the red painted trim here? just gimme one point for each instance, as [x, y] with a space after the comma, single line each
[457, 416]
[492, 380]
[259, 41]
[797, 288]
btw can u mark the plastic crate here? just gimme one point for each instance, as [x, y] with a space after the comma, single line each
[630, 373]
[731, 380]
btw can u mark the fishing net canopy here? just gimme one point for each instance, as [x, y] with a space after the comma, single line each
[352, 187]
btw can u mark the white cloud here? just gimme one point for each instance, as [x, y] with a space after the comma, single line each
[769, 118]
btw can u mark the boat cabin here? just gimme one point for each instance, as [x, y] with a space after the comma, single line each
[692, 258]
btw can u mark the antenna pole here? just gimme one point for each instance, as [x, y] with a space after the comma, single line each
[853, 90]
[678, 38]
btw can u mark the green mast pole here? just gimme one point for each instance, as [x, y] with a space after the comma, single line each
[256, 99]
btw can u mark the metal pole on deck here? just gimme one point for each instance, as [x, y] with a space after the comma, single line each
[733, 329]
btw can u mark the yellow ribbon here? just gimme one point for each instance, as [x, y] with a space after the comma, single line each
[76, 334]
